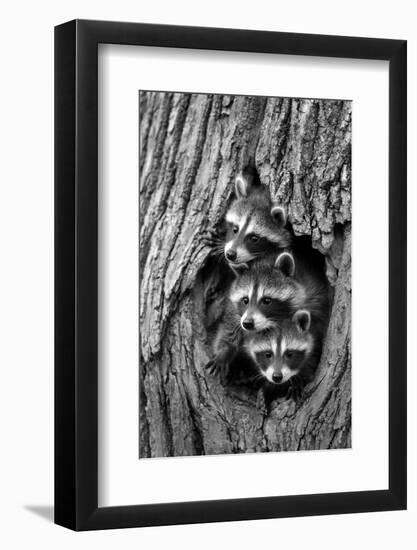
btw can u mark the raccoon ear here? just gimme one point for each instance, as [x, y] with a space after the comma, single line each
[302, 320]
[242, 186]
[279, 216]
[285, 263]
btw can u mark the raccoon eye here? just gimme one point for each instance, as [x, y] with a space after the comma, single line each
[266, 300]
[289, 353]
[268, 354]
[254, 238]
[245, 300]
[235, 229]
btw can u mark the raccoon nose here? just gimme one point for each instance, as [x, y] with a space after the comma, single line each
[277, 377]
[231, 255]
[248, 324]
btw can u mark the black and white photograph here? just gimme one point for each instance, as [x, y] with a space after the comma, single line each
[245, 226]
[208, 277]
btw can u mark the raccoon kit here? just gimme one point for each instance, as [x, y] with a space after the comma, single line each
[253, 228]
[276, 300]
[286, 358]
[270, 291]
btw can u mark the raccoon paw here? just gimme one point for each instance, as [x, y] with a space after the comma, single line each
[211, 238]
[295, 390]
[218, 367]
[261, 402]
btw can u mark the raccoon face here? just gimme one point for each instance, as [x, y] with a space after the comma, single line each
[255, 227]
[266, 294]
[281, 354]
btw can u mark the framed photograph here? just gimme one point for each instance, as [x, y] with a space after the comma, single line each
[230, 247]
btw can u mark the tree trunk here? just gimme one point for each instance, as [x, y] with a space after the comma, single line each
[191, 148]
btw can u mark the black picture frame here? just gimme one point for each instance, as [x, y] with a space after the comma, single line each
[76, 272]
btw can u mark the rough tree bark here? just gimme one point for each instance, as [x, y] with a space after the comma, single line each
[191, 147]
